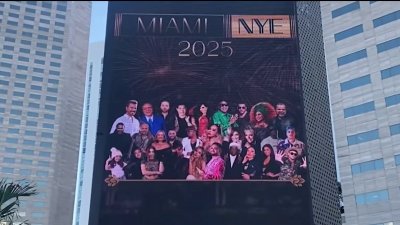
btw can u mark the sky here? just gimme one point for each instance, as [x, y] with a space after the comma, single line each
[98, 21]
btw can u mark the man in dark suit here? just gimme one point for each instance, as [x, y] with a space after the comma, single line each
[155, 122]
[233, 163]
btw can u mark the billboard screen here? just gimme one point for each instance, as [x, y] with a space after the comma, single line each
[203, 99]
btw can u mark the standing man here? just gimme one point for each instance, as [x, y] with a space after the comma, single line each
[131, 124]
[223, 119]
[170, 121]
[155, 122]
[282, 120]
[243, 117]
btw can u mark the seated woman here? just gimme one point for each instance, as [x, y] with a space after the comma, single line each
[234, 137]
[215, 168]
[132, 170]
[250, 167]
[163, 152]
[271, 165]
[115, 165]
[197, 164]
[151, 168]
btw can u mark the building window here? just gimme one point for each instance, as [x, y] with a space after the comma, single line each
[55, 64]
[48, 125]
[50, 98]
[31, 123]
[14, 121]
[23, 59]
[26, 161]
[359, 109]
[18, 94]
[25, 50]
[387, 45]
[55, 56]
[42, 173]
[45, 154]
[11, 31]
[28, 26]
[25, 42]
[345, 9]
[20, 85]
[39, 62]
[27, 34]
[14, 15]
[5, 74]
[16, 112]
[6, 56]
[44, 29]
[40, 53]
[38, 70]
[29, 10]
[50, 107]
[53, 90]
[352, 57]
[46, 144]
[25, 172]
[390, 72]
[8, 39]
[34, 105]
[363, 137]
[12, 140]
[45, 13]
[21, 76]
[10, 150]
[30, 133]
[41, 45]
[21, 67]
[372, 197]
[44, 21]
[57, 48]
[36, 87]
[33, 114]
[34, 96]
[392, 100]
[38, 79]
[27, 152]
[16, 103]
[8, 47]
[367, 166]
[13, 131]
[5, 65]
[47, 135]
[8, 160]
[386, 19]
[7, 170]
[38, 214]
[394, 129]
[44, 163]
[30, 18]
[55, 73]
[29, 142]
[49, 117]
[46, 5]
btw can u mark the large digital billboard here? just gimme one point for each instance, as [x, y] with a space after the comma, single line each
[203, 99]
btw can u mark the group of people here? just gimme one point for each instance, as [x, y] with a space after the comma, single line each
[197, 145]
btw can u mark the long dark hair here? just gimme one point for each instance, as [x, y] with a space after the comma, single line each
[272, 152]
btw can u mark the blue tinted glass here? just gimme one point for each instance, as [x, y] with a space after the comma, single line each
[349, 32]
[379, 164]
[29, 142]
[7, 170]
[386, 19]
[25, 172]
[11, 150]
[33, 114]
[345, 9]
[390, 72]
[8, 160]
[26, 161]
[27, 152]
[397, 159]
[360, 199]
[14, 121]
[359, 109]
[392, 100]
[34, 105]
[363, 137]
[387, 45]
[44, 154]
[13, 131]
[30, 133]
[367, 166]
[395, 129]
[18, 94]
[5, 74]
[352, 57]
[31, 123]
[355, 169]
[48, 125]
[12, 140]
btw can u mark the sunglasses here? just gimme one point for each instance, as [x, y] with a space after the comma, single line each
[223, 105]
[241, 107]
[293, 153]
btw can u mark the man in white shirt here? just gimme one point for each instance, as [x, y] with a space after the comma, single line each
[272, 139]
[131, 124]
[190, 142]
